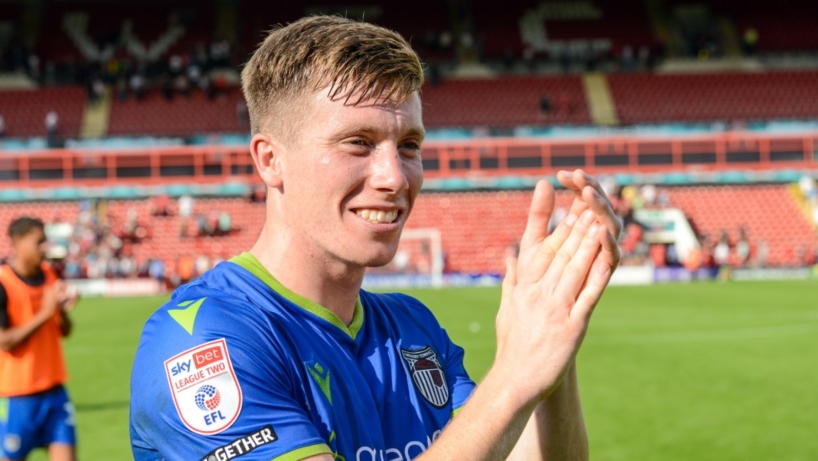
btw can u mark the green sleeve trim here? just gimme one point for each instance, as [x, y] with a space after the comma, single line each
[304, 452]
[252, 265]
[455, 412]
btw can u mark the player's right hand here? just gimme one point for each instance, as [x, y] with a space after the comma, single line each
[52, 297]
[548, 296]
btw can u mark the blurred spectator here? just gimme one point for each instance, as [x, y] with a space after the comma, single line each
[51, 121]
[96, 92]
[694, 260]
[631, 238]
[156, 269]
[185, 269]
[180, 84]
[648, 192]
[202, 265]
[160, 205]
[750, 40]
[743, 247]
[201, 225]
[672, 256]
[658, 254]
[34, 67]
[627, 58]
[763, 252]
[72, 268]
[212, 227]
[121, 90]
[721, 253]
[545, 104]
[127, 267]
[137, 86]
[644, 57]
[194, 73]
[225, 223]
[663, 198]
[175, 65]
[185, 205]
[808, 187]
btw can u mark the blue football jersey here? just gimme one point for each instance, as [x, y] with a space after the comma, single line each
[235, 365]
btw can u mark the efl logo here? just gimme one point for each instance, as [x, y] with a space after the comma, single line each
[207, 394]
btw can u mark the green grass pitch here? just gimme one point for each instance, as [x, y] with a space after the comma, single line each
[668, 372]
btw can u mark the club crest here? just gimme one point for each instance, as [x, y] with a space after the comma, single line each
[428, 376]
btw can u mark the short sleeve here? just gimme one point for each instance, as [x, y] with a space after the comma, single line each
[222, 390]
[461, 384]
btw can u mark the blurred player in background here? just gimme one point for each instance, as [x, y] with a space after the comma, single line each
[279, 354]
[34, 407]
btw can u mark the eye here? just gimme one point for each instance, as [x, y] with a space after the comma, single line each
[410, 147]
[358, 145]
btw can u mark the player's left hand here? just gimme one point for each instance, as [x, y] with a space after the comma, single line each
[588, 194]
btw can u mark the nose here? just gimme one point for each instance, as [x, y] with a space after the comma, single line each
[388, 173]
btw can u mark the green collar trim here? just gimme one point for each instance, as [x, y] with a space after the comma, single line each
[252, 265]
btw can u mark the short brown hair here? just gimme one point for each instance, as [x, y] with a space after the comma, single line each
[350, 57]
[20, 227]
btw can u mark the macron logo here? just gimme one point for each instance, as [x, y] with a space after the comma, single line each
[322, 378]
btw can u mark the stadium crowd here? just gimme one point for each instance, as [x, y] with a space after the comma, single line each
[97, 246]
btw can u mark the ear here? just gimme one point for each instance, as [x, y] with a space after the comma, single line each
[267, 155]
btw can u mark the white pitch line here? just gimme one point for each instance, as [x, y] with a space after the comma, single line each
[706, 335]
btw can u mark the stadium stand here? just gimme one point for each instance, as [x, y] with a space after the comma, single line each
[499, 103]
[499, 30]
[784, 27]
[24, 111]
[79, 28]
[767, 212]
[477, 228]
[715, 96]
[505, 102]
[422, 22]
[194, 114]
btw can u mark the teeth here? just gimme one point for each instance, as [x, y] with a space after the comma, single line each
[378, 216]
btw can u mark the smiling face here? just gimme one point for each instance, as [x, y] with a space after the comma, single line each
[350, 176]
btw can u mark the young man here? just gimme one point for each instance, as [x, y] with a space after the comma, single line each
[34, 407]
[278, 354]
